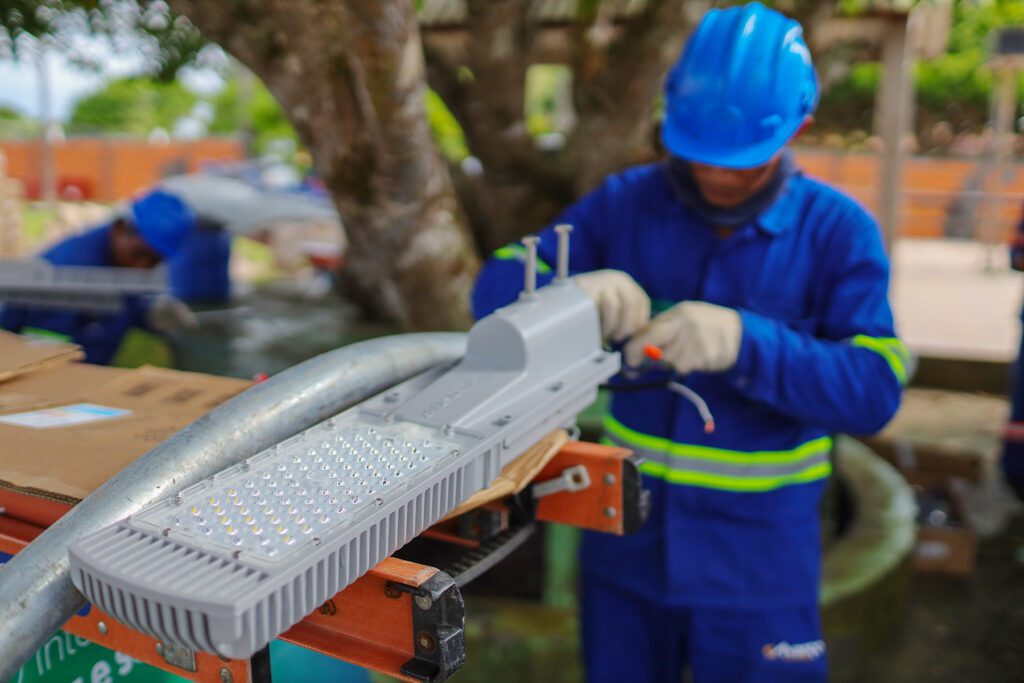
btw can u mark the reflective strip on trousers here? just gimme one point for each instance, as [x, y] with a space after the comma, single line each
[722, 469]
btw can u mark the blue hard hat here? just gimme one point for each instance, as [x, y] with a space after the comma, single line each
[162, 220]
[742, 88]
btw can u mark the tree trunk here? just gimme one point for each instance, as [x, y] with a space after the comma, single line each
[519, 188]
[618, 72]
[350, 76]
[617, 87]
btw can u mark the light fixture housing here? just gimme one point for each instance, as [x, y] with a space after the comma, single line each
[227, 565]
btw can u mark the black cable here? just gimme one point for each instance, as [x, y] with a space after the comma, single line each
[634, 386]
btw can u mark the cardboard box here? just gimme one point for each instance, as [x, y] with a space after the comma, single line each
[945, 544]
[945, 550]
[67, 428]
[21, 355]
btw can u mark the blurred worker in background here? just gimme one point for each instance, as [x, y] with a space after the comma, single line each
[151, 230]
[769, 291]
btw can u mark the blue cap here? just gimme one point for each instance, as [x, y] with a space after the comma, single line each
[743, 87]
[162, 221]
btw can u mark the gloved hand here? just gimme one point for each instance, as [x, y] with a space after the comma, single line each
[622, 304]
[694, 336]
[167, 314]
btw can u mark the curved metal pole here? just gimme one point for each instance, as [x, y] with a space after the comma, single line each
[36, 594]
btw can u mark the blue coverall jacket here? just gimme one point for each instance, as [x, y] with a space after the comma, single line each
[99, 334]
[735, 521]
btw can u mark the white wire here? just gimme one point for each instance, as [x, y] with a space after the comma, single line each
[699, 403]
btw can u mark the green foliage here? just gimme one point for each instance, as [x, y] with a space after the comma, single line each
[445, 128]
[248, 106]
[848, 104]
[973, 20]
[132, 105]
[169, 41]
[854, 7]
[14, 124]
[544, 83]
[954, 87]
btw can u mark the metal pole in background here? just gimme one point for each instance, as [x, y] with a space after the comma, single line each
[1004, 99]
[892, 117]
[47, 167]
[36, 593]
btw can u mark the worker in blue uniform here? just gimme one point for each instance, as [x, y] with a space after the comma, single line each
[769, 298]
[150, 231]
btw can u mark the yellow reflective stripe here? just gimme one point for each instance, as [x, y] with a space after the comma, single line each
[718, 455]
[893, 350]
[741, 484]
[517, 252]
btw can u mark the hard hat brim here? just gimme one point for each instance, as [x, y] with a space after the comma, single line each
[690, 148]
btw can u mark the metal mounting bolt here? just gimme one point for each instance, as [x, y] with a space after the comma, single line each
[610, 512]
[530, 274]
[177, 500]
[424, 602]
[166, 531]
[609, 479]
[563, 230]
[447, 430]
[391, 397]
[225, 676]
[426, 641]
[454, 452]
[389, 417]
[160, 649]
[102, 628]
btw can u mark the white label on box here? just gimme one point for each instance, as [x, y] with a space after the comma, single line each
[63, 416]
[932, 550]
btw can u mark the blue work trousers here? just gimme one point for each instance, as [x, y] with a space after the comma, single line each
[627, 638]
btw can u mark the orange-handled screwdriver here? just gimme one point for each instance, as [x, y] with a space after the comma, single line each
[655, 353]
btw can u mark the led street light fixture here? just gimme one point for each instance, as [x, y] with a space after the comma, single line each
[227, 565]
[87, 288]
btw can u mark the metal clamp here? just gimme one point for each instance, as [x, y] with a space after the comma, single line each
[572, 479]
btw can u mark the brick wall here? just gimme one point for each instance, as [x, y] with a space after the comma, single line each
[108, 169]
[934, 202]
[941, 195]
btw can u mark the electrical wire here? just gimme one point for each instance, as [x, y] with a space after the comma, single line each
[677, 387]
[699, 403]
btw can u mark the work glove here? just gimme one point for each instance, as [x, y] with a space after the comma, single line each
[694, 336]
[621, 303]
[168, 314]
